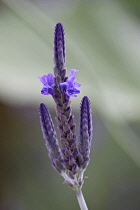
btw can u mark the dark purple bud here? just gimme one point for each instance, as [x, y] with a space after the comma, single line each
[50, 138]
[85, 132]
[75, 153]
[59, 51]
[75, 168]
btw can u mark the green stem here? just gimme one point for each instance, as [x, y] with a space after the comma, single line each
[81, 200]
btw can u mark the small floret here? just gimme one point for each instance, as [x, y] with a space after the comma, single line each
[48, 82]
[70, 85]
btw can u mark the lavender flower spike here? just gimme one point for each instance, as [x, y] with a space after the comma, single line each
[49, 135]
[59, 51]
[72, 158]
[85, 133]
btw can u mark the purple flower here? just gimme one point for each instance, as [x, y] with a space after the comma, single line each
[70, 85]
[48, 82]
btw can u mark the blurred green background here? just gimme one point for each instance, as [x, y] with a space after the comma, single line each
[103, 43]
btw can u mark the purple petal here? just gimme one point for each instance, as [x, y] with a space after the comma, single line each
[76, 84]
[63, 85]
[48, 82]
[44, 91]
[72, 92]
[72, 73]
[43, 79]
[70, 85]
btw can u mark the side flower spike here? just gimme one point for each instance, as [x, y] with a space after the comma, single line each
[85, 133]
[49, 135]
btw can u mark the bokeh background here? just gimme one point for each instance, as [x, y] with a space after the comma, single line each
[103, 43]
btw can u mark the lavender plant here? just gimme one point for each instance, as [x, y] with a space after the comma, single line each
[70, 157]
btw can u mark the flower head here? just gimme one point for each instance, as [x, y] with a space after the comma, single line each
[70, 85]
[72, 157]
[48, 82]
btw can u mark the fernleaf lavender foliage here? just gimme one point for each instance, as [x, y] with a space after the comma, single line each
[72, 157]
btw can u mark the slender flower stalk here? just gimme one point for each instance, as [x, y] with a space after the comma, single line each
[81, 200]
[72, 157]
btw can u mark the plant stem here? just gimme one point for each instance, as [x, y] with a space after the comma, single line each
[81, 200]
